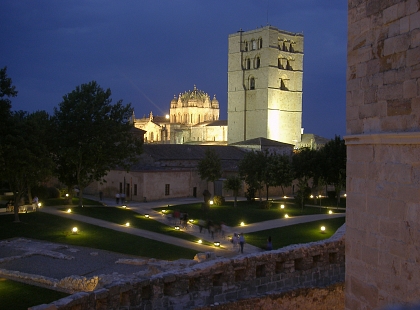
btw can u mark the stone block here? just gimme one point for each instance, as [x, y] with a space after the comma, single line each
[410, 88]
[390, 14]
[415, 21]
[413, 56]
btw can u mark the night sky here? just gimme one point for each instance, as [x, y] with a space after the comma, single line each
[147, 51]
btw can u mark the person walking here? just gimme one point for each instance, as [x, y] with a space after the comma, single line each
[242, 242]
[117, 198]
[269, 244]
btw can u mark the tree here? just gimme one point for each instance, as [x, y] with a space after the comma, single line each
[210, 167]
[27, 154]
[7, 90]
[92, 136]
[252, 170]
[303, 171]
[234, 184]
[280, 171]
[334, 156]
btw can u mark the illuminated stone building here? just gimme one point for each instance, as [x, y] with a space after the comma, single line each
[193, 118]
[265, 71]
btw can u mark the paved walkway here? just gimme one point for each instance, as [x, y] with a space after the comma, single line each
[226, 248]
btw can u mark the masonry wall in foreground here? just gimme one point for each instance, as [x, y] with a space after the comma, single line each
[317, 264]
[383, 153]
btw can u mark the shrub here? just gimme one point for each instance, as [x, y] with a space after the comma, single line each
[266, 204]
[331, 194]
[218, 200]
[53, 192]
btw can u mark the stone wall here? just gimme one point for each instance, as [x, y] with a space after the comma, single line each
[383, 153]
[317, 264]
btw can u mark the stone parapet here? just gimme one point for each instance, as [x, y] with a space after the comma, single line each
[316, 264]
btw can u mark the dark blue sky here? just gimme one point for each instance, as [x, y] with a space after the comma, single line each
[146, 51]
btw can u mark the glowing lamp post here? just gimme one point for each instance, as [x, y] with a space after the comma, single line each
[282, 207]
[200, 241]
[242, 224]
[176, 227]
[286, 216]
[211, 202]
[68, 210]
[322, 229]
[74, 230]
[146, 216]
[127, 224]
[217, 244]
[330, 212]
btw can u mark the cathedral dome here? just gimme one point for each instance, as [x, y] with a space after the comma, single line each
[194, 94]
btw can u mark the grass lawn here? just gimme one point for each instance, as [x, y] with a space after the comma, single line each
[121, 216]
[75, 202]
[42, 226]
[295, 234]
[16, 295]
[248, 212]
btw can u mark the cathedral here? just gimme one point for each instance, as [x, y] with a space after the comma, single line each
[265, 74]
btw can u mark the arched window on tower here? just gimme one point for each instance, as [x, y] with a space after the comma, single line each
[292, 49]
[245, 46]
[284, 47]
[251, 83]
[254, 45]
[257, 62]
[289, 66]
[282, 85]
[280, 63]
[248, 64]
[259, 43]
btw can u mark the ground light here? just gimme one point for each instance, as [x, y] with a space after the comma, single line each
[74, 230]
[146, 216]
[217, 243]
[124, 206]
[39, 205]
[286, 216]
[191, 220]
[68, 210]
[242, 224]
[330, 212]
[323, 229]
[211, 202]
[163, 211]
[312, 196]
[282, 207]
[200, 241]
[176, 227]
[127, 224]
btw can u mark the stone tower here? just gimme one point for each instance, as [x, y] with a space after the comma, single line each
[265, 71]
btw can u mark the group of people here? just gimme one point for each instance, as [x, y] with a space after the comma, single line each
[238, 242]
[118, 197]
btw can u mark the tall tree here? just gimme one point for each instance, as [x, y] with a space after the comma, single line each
[7, 90]
[234, 184]
[252, 169]
[280, 171]
[334, 164]
[27, 155]
[210, 167]
[92, 136]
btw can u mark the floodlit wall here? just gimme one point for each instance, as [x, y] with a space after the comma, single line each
[383, 153]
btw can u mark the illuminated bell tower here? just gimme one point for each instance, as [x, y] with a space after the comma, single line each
[265, 72]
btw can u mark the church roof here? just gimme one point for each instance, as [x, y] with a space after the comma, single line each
[212, 123]
[263, 142]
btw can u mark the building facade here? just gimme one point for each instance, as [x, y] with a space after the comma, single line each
[265, 72]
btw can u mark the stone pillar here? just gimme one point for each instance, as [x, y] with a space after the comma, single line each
[383, 153]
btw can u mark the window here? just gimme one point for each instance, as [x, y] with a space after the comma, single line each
[245, 46]
[248, 64]
[292, 50]
[257, 62]
[167, 188]
[251, 83]
[280, 63]
[259, 43]
[282, 85]
[284, 47]
[288, 66]
[254, 44]
[135, 190]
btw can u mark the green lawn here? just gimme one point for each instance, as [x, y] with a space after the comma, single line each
[248, 212]
[121, 216]
[17, 296]
[294, 234]
[42, 226]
